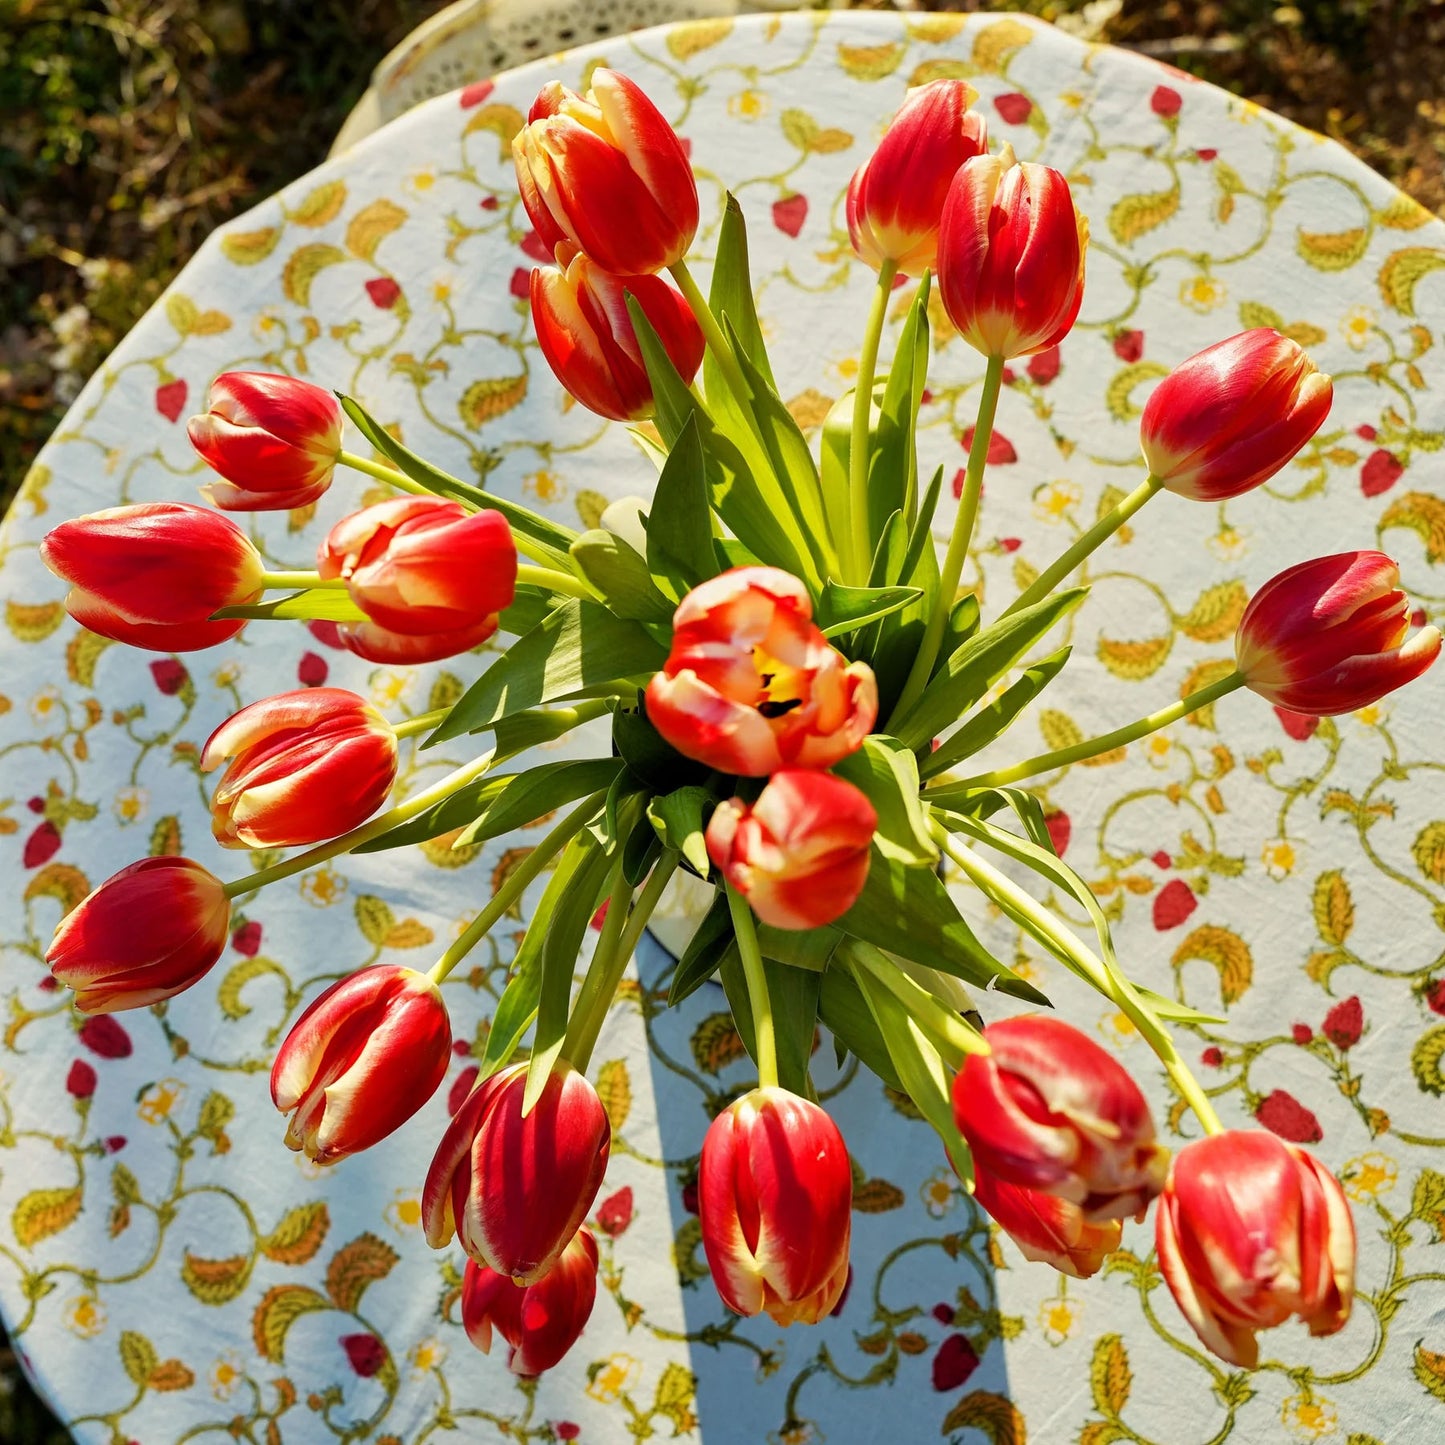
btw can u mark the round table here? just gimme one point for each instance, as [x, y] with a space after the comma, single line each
[170, 1272]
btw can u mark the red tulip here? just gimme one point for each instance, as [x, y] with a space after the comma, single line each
[515, 1190]
[1230, 417]
[1251, 1231]
[1329, 636]
[362, 1059]
[541, 1321]
[799, 854]
[775, 1199]
[606, 173]
[274, 439]
[305, 766]
[751, 685]
[430, 576]
[586, 334]
[152, 574]
[1048, 1109]
[1047, 1229]
[895, 199]
[146, 934]
[1011, 256]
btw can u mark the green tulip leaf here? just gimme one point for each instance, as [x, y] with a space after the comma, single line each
[579, 649]
[548, 535]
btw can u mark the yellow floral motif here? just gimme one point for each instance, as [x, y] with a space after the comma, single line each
[441, 291]
[226, 1376]
[799, 1432]
[1229, 544]
[1370, 715]
[617, 1373]
[227, 675]
[1157, 748]
[404, 1211]
[323, 887]
[1054, 500]
[1118, 1029]
[748, 105]
[1358, 326]
[1309, 1417]
[1027, 969]
[1202, 294]
[845, 370]
[45, 702]
[427, 1355]
[388, 687]
[130, 805]
[160, 1101]
[419, 182]
[544, 485]
[1368, 1176]
[1072, 99]
[1279, 856]
[1057, 1318]
[85, 1316]
[939, 1193]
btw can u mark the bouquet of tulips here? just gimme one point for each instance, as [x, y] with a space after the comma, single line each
[794, 685]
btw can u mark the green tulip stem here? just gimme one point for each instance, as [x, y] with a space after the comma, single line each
[1096, 536]
[621, 933]
[765, 1036]
[712, 332]
[1112, 984]
[422, 722]
[289, 581]
[1107, 742]
[394, 478]
[517, 883]
[380, 824]
[551, 580]
[857, 545]
[383, 473]
[953, 1037]
[957, 546]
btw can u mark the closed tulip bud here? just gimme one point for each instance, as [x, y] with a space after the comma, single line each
[146, 934]
[1011, 256]
[1329, 636]
[1048, 1109]
[1251, 1231]
[305, 766]
[152, 574]
[1047, 1229]
[775, 1200]
[751, 685]
[362, 1059]
[514, 1190]
[1230, 417]
[606, 173]
[274, 440]
[541, 1321]
[895, 199]
[586, 334]
[799, 855]
[430, 576]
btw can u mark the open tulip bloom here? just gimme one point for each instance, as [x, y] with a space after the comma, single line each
[792, 686]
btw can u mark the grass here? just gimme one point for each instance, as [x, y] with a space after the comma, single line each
[134, 128]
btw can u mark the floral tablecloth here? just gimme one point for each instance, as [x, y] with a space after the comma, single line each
[170, 1272]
